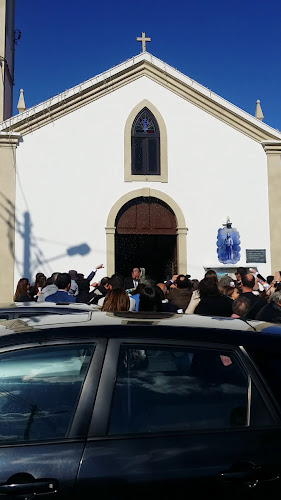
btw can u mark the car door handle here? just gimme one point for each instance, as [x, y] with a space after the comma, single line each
[244, 473]
[38, 486]
[249, 472]
[239, 475]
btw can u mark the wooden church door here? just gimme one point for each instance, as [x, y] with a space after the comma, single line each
[146, 236]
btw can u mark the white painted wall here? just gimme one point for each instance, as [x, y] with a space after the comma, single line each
[71, 172]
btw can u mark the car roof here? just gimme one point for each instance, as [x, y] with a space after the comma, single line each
[142, 325]
[100, 318]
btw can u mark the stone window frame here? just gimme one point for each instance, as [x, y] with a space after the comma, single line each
[128, 176]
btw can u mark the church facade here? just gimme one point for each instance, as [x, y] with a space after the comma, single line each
[138, 166]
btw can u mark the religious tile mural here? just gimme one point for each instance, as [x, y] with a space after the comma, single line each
[228, 244]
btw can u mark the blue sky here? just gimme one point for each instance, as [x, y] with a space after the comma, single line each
[233, 48]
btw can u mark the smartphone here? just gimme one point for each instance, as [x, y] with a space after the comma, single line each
[260, 277]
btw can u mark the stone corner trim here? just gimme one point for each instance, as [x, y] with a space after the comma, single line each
[8, 139]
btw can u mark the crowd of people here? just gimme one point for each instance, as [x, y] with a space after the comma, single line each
[248, 296]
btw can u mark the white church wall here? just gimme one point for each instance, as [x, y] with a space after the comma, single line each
[71, 172]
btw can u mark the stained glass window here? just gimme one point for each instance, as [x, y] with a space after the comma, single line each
[145, 144]
[144, 124]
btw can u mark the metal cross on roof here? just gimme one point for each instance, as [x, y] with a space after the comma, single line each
[143, 39]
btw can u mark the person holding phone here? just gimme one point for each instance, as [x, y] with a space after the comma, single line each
[240, 271]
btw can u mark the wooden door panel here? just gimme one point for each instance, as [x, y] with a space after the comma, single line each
[147, 218]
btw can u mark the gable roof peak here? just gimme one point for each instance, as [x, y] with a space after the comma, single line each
[143, 64]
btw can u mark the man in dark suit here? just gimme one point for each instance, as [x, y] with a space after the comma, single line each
[256, 302]
[133, 280]
[63, 283]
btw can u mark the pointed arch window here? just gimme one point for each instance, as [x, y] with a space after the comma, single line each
[145, 144]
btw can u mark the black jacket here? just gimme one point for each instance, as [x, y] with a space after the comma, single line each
[169, 307]
[24, 297]
[217, 305]
[256, 303]
[83, 297]
[271, 312]
[98, 293]
[129, 283]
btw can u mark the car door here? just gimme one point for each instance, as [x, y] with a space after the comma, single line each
[186, 418]
[47, 391]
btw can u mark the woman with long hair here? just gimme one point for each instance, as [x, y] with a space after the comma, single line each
[35, 290]
[116, 300]
[22, 291]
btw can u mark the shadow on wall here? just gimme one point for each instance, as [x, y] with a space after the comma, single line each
[29, 265]
[8, 216]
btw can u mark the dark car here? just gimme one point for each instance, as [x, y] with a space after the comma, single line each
[136, 406]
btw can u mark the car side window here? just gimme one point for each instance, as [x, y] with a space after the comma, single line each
[39, 390]
[269, 364]
[170, 388]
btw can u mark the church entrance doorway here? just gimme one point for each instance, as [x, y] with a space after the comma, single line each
[146, 236]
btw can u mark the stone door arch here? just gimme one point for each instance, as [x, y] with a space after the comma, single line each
[179, 228]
